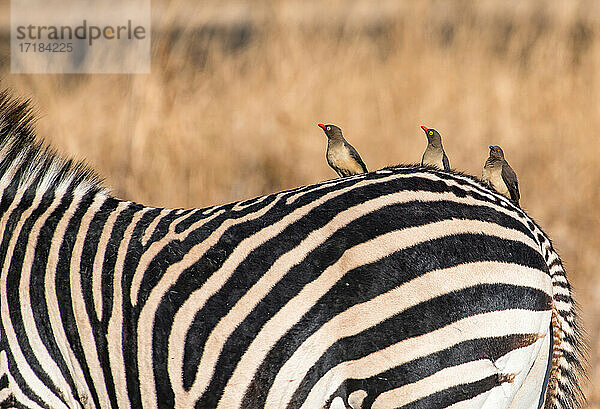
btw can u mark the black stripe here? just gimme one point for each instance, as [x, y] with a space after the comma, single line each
[456, 394]
[194, 217]
[555, 263]
[3, 382]
[8, 195]
[561, 284]
[541, 239]
[147, 219]
[564, 298]
[185, 218]
[11, 403]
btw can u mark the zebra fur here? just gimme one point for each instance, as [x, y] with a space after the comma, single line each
[92, 356]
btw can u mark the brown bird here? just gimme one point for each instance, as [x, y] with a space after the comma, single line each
[498, 174]
[434, 153]
[341, 156]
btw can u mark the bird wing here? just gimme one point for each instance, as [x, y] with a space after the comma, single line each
[354, 154]
[510, 179]
[446, 162]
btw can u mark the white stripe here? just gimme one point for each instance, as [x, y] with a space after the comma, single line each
[4, 395]
[561, 290]
[212, 209]
[530, 391]
[356, 398]
[311, 189]
[566, 328]
[362, 316]
[337, 403]
[247, 203]
[552, 257]
[560, 278]
[9, 174]
[563, 306]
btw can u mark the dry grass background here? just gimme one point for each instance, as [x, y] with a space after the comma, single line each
[237, 88]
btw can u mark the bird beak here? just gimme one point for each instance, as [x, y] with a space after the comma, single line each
[321, 126]
[424, 128]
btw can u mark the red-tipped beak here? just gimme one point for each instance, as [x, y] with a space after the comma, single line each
[321, 126]
[424, 128]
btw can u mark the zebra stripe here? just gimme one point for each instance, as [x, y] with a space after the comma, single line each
[404, 287]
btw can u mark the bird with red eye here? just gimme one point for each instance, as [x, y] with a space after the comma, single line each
[341, 156]
[434, 153]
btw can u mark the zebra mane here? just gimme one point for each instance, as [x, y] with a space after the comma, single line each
[27, 162]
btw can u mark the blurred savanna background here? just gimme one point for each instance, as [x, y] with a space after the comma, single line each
[236, 90]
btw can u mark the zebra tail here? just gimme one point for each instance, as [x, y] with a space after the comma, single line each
[569, 350]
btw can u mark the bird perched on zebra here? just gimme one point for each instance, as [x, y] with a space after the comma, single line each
[341, 156]
[405, 287]
[434, 154]
[498, 174]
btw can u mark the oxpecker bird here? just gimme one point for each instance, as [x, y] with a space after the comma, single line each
[341, 156]
[498, 174]
[434, 153]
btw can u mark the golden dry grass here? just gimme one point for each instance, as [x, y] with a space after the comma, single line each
[227, 116]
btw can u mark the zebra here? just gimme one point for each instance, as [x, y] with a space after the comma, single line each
[406, 287]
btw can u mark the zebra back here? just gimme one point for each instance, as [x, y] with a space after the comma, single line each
[125, 305]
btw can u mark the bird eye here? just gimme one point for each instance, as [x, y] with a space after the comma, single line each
[430, 132]
[329, 128]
